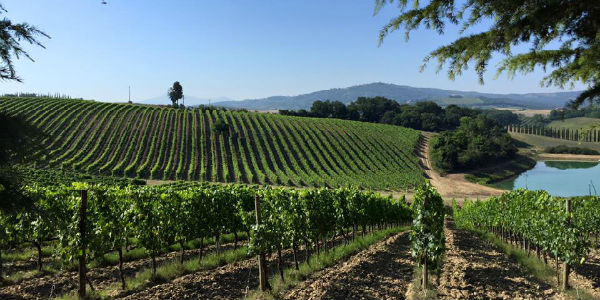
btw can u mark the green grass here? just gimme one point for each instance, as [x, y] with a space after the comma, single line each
[575, 123]
[501, 171]
[20, 276]
[112, 258]
[539, 143]
[319, 262]
[534, 265]
[459, 101]
[25, 254]
[417, 293]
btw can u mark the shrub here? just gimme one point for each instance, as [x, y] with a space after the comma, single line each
[563, 149]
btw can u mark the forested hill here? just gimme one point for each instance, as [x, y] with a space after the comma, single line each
[216, 145]
[403, 94]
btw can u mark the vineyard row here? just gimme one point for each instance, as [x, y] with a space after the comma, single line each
[88, 221]
[188, 144]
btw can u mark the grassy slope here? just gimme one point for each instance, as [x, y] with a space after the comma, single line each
[130, 140]
[501, 171]
[538, 142]
[575, 123]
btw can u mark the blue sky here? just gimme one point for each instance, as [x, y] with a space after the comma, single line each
[224, 48]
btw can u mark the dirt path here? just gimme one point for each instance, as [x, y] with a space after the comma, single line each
[383, 271]
[452, 185]
[475, 269]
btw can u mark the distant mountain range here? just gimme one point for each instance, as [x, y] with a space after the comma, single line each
[189, 100]
[405, 94]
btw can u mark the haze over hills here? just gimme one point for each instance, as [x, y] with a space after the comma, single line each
[189, 100]
[407, 94]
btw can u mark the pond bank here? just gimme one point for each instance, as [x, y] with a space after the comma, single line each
[575, 157]
[501, 171]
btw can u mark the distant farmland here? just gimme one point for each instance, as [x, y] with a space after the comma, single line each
[182, 144]
[575, 123]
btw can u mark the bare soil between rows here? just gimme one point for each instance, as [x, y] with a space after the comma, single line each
[476, 269]
[383, 271]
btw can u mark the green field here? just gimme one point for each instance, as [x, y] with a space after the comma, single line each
[575, 123]
[540, 142]
[459, 101]
[163, 143]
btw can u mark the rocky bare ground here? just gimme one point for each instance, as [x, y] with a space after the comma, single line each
[232, 281]
[587, 275]
[384, 271]
[476, 269]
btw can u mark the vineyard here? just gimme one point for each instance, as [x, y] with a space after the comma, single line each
[226, 241]
[564, 230]
[564, 133]
[162, 143]
[84, 223]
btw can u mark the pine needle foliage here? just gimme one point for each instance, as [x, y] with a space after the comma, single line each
[563, 37]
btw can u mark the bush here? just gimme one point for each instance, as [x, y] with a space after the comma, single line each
[563, 149]
[221, 127]
[478, 141]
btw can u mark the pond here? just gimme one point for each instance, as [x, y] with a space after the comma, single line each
[559, 178]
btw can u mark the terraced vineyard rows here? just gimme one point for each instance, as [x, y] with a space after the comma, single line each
[165, 143]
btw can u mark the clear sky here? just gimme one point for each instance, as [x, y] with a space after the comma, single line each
[227, 48]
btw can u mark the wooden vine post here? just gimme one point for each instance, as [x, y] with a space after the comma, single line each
[82, 269]
[262, 263]
[566, 268]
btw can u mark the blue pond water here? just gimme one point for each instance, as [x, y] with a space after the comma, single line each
[559, 178]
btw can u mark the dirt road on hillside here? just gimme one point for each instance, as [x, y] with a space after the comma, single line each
[452, 185]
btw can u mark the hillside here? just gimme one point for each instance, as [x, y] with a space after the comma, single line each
[575, 123]
[539, 142]
[404, 94]
[164, 143]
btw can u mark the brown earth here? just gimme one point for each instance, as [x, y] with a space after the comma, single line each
[231, 281]
[475, 269]
[587, 275]
[384, 271]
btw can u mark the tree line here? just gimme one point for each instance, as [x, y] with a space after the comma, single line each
[425, 115]
[583, 134]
